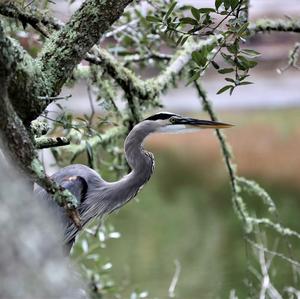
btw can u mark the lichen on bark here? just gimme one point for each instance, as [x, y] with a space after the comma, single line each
[67, 47]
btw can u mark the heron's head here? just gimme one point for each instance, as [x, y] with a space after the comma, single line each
[167, 122]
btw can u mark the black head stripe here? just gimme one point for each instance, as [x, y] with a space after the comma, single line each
[160, 116]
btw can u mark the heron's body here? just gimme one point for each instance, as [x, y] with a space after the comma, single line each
[98, 197]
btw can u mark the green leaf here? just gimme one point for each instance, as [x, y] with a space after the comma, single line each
[218, 3]
[250, 52]
[247, 63]
[184, 40]
[179, 40]
[243, 28]
[59, 106]
[228, 58]
[188, 20]
[195, 12]
[244, 77]
[226, 70]
[230, 80]
[170, 10]
[215, 65]
[233, 48]
[199, 58]
[245, 83]
[234, 4]
[193, 78]
[206, 10]
[224, 88]
[226, 4]
[153, 19]
[252, 64]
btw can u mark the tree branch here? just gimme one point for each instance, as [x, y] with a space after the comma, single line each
[61, 54]
[267, 25]
[238, 202]
[182, 58]
[127, 80]
[46, 142]
[73, 150]
[19, 147]
[65, 49]
[28, 81]
[26, 16]
[152, 55]
[15, 138]
[236, 182]
[151, 88]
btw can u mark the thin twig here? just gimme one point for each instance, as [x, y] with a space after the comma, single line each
[278, 254]
[226, 151]
[90, 120]
[174, 281]
[47, 98]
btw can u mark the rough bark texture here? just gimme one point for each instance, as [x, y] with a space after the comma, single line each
[26, 82]
[68, 46]
[18, 145]
[63, 51]
[13, 133]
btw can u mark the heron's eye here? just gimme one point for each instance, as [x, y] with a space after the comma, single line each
[172, 120]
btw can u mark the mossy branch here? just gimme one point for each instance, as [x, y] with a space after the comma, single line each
[39, 128]
[268, 25]
[19, 147]
[253, 188]
[73, 150]
[47, 142]
[26, 16]
[14, 137]
[275, 253]
[238, 203]
[67, 47]
[61, 53]
[284, 231]
[292, 59]
[23, 87]
[148, 90]
[239, 183]
[126, 78]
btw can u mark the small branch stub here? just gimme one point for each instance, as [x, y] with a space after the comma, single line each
[47, 142]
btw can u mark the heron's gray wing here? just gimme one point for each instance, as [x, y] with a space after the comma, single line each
[77, 185]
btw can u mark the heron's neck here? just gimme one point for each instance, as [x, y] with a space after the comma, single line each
[141, 164]
[140, 161]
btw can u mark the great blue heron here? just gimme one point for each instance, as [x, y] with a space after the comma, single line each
[98, 197]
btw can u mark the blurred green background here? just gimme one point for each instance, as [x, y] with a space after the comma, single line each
[185, 212]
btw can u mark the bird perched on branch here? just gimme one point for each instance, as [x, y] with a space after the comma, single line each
[97, 197]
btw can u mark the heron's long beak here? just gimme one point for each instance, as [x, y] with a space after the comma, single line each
[201, 124]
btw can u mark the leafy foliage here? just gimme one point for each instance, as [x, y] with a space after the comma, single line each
[191, 22]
